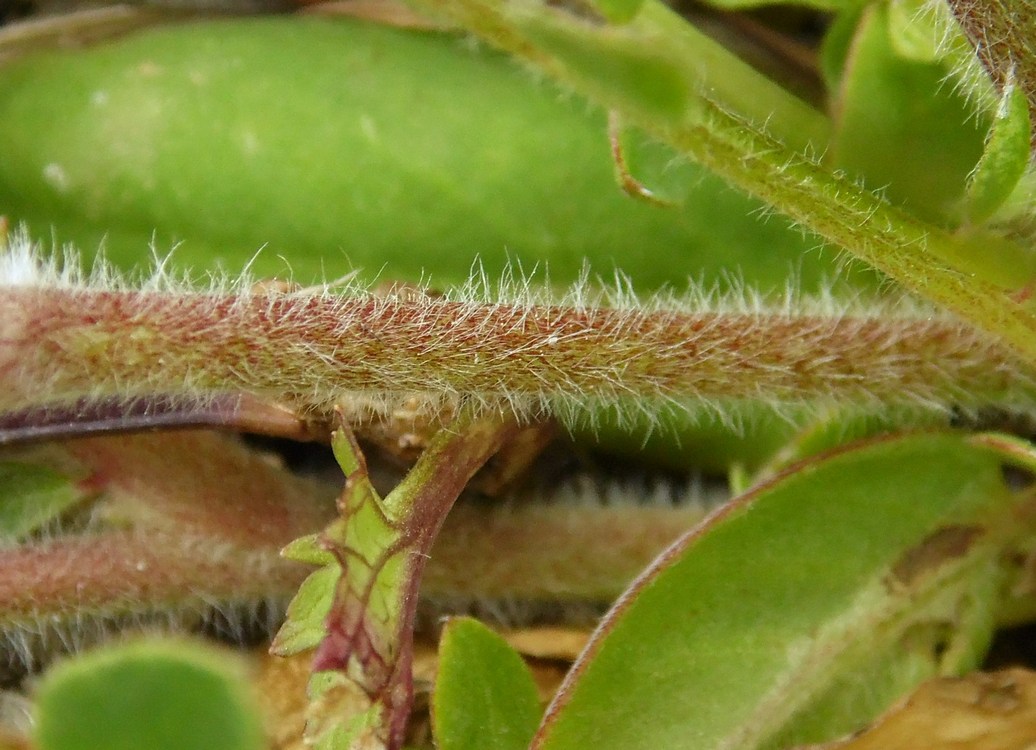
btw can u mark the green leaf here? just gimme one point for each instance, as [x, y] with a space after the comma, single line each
[358, 610]
[630, 66]
[303, 626]
[485, 697]
[915, 29]
[307, 549]
[834, 49]
[801, 609]
[827, 431]
[833, 5]
[618, 11]
[901, 127]
[1004, 159]
[679, 441]
[30, 496]
[349, 610]
[364, 161]
[160, 695]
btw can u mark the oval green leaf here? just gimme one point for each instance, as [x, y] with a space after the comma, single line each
[330, 143]
[901, 127]
[802, 609]
[485, 697]
[159, 695]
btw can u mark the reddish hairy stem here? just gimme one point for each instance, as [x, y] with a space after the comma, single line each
[59, 345]
[197, 483]
[120, 572]
[209, 517]
[547, 555]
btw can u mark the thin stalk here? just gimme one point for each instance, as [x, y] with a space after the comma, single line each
[61, 345]
[233, 412]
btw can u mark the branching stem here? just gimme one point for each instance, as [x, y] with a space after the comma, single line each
[659, 81]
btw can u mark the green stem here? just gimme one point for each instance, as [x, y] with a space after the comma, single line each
[982, 277]
[723, 77]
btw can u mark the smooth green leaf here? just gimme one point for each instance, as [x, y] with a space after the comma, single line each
[801, 609]
[30, 496]
[1004, 159]
[915, 30]
[159, 695]
[901, 127]
[827, 431]
[834, 49]
[485, 697]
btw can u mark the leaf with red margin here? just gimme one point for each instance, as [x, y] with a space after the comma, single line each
[365, 596]
[801, 610]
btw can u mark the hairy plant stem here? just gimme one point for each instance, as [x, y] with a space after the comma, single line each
[192, 523]
[60, 346]
[86, 580]
[648, 81]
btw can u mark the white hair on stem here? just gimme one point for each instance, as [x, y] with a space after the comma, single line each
[67, 335]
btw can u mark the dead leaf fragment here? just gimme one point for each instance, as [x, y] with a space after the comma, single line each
[282, 682]
[982, 711]
[560, 644]
[281, 687]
